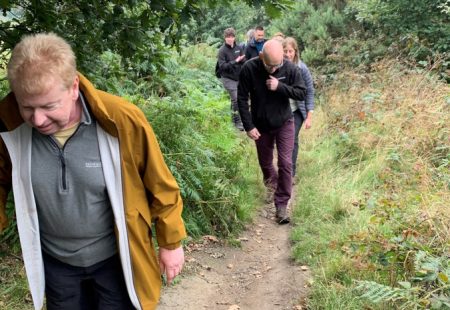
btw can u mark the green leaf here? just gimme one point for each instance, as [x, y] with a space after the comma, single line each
[443, 277]
[405, 284]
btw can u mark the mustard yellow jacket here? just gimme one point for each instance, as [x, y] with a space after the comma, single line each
[142, 191]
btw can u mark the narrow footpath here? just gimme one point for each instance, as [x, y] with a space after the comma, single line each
[258, 275]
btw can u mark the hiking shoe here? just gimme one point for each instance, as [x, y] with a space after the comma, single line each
[281, 216]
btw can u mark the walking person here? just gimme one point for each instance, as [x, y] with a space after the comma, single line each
[254, 47]
[249, 38]
[302, 109]
[230, 60]
[89, 181]
[271, 82]
[279, 36]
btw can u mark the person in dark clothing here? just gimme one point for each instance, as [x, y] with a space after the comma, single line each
[249, 38]
[230, 60]
[254, 47]
[271, 81]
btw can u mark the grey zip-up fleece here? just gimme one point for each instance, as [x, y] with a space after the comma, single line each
[75, 216]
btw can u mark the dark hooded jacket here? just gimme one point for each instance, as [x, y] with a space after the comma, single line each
[251, 51]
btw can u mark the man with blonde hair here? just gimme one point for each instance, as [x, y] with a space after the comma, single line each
[89, 180]
[271, 82]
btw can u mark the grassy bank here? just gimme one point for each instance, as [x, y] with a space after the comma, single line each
[372, 215]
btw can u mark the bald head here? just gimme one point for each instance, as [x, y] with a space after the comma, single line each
[272, 55]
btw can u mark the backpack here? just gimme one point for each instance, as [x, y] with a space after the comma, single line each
[218, 70]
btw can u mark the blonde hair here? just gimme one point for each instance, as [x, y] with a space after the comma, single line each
[290, 41]
[37, 60]
[279, 36]
[250, 34]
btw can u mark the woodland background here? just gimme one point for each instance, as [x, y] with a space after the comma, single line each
[372, 214]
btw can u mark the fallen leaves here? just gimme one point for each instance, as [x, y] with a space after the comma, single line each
[211, 238]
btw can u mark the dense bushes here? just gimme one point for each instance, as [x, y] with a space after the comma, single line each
[419, 29]
[201, 147]
[314, 27]
[210, 27]
[336, 33]
[420, 26]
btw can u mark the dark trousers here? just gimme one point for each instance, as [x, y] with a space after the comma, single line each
[231, 87]
[281, 180]
[98, 287]
[298, 120]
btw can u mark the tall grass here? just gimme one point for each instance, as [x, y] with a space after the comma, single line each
[374, 189]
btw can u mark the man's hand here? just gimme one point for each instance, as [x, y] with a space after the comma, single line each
[272, 83]
[308, 122]
[254, 134]
[171, 262]
[240, 58]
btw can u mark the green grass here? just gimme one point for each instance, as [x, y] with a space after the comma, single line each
[371, 198]
[14, 293]
[333, 297]
[327, 213]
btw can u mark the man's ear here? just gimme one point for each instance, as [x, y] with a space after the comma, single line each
[260, 55]
[75, 88]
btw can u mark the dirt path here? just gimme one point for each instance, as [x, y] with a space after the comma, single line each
[259, 275]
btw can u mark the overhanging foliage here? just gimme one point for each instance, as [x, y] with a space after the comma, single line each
[136, 30]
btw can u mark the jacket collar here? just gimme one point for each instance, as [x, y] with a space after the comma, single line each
[97, 106]
[229, 46]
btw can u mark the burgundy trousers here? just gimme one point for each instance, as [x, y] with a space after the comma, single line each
[280, 181]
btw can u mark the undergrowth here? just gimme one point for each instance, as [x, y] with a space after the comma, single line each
[207, 156]
[374, 185]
